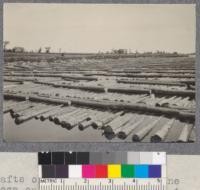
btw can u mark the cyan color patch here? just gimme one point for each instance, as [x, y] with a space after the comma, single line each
[141, 171]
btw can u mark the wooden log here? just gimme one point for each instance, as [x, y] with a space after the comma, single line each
[132, 118]
[74, 114]
[97, 121]
[49, 100]
[116, 123]
[68, 113]
[101, 122]
[185, 115]
[18, 97]
[71, 111]
[190, 93]
[156, 100]
[165, 102]
[182, 102]
[84, 125]
[146, 75]
[10, 106]
[160, 75]
[88, 123]
[44, 116]
[183, 109]
[176, 101]
[188, 82]
[7, 103]
[16, 112]
[165, 71]
[18, 81]
[138, 136]
[138, 98]
[24, 118]
[130, 127]
[59, 112]
[151, 82]
[58, 117]
[28, 111]
[80, 78]
[186, 102]
[47, 112]
[192, 136]
[160, 135]
[89, 88]
[75, 120]
[43, 82]
[118, 106]
[129, 90]
[21, 106]
[183, 137]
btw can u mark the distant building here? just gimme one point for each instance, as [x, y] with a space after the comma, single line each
[18, 49]
[120, 51]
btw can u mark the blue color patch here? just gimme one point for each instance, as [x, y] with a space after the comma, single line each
[155, 171]
[141, 171]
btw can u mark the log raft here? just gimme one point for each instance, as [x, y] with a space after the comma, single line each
[122, 98]
[113, 106]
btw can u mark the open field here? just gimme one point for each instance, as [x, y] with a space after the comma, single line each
[125, 99]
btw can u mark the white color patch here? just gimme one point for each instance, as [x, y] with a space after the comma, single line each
[159, 158]
[75, 171]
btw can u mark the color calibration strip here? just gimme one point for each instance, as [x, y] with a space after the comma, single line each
[100, 171]
[102, 165]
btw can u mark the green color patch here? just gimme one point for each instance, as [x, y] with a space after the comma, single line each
[127, 171]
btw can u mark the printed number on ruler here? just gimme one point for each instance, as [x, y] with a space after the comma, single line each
[102, 184]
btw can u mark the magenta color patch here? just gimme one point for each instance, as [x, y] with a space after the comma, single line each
[88, 171]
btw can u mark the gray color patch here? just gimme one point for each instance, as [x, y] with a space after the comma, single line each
[96, 158]
[133, 158]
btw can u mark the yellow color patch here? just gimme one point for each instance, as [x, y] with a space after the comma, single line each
[114, 171]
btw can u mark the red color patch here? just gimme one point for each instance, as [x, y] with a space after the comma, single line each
[101, 171]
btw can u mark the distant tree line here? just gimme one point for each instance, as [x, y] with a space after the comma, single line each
[22, 49]
[119, 52]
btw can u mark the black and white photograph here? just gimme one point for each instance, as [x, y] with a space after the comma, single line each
[99, 73]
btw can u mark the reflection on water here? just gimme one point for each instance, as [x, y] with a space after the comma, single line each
[36, 130]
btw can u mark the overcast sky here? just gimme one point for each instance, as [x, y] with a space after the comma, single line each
[90, 28]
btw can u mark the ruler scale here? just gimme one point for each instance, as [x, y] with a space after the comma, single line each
[111, 171]
[70, 184]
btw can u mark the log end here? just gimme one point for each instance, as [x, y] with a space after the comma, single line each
[156, 139]
[42, 118]
[66, 125]
[18, 121]
[109, 136]
[50, 118]
[81, 127]
[121, 135]
[135, 138]
[95, 125]
[12, 114]
[56, 121]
